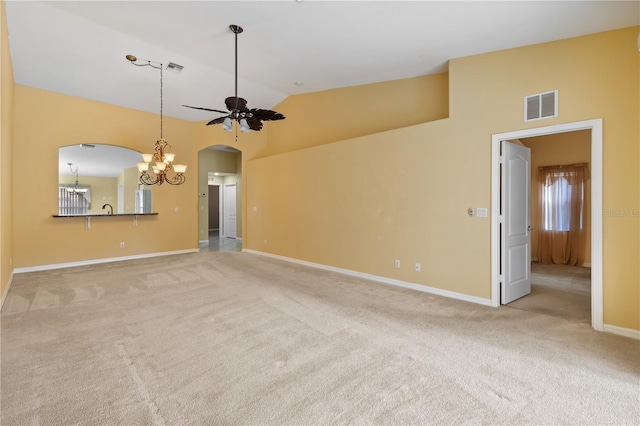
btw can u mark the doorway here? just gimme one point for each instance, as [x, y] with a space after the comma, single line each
[214, 210]
[497, 275]
[561, 291]
[560, 272]
[230, 211]
[220, 195]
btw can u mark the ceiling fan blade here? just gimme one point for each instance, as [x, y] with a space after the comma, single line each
[254, 123]
[206, 109]
[216, 120]
[234, 103]
[266, 114]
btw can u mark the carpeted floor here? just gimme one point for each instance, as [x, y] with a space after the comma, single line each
[558, 290]
[236, 338]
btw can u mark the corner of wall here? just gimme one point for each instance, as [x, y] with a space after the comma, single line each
[7, 85]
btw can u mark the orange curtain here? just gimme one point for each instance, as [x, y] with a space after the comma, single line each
[562, 235]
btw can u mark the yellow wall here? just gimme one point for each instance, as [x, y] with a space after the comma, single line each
[332, 115]
[553, 150]
[6, 153]
[63, 120]
[361, 203]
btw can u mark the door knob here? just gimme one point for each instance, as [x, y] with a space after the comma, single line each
[529, 228]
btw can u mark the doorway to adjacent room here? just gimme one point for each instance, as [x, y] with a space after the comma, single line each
[499, 270]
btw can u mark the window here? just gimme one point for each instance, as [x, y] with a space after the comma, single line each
[73, 199]
[557, 204]
[562, 236]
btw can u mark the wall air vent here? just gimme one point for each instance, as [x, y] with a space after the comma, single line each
[541, 105]
[174, 67]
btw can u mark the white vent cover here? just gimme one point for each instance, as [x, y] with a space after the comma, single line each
[541, 105]
[174, 67]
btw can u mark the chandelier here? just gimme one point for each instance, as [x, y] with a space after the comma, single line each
[161, 161]
[76, 188]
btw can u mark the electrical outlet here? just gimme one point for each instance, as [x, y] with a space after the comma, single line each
[417, 267]
[397, 263]
[265, 242]
[122, 244]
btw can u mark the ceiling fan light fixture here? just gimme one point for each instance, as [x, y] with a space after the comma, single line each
[237, 106]
[244, 126]
[226, 125]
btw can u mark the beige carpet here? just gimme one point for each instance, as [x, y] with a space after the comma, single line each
[558, 290]
[234, 338]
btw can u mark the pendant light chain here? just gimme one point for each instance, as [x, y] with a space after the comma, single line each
[161, 101]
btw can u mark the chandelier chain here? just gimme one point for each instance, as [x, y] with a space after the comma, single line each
[161, 103]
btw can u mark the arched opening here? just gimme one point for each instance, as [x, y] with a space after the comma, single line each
[219, 199]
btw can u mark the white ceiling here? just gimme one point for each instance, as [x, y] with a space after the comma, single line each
[96, 160]
[79, 47]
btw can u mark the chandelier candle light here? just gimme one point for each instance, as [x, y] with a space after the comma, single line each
[161, 160]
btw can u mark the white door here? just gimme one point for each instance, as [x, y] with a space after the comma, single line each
[515, 235]
[229, 207]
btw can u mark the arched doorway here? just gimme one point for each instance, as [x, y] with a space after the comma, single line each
[219, 199]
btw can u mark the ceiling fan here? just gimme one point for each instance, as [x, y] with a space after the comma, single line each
[248, 119]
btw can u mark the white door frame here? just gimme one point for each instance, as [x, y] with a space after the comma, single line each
[595, 126]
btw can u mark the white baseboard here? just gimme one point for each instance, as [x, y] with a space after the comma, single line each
[620, 331]
[97, 261]
[377, 278]
[203, 242]
[6, 291]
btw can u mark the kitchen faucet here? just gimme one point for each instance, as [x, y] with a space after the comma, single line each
[110, 206]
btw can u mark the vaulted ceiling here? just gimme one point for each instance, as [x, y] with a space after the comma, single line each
[287, 47]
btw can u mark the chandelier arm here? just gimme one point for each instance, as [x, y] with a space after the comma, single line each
[146, 179]
[178, 179]
[133, 60]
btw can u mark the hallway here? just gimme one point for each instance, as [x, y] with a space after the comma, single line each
[217, 243]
